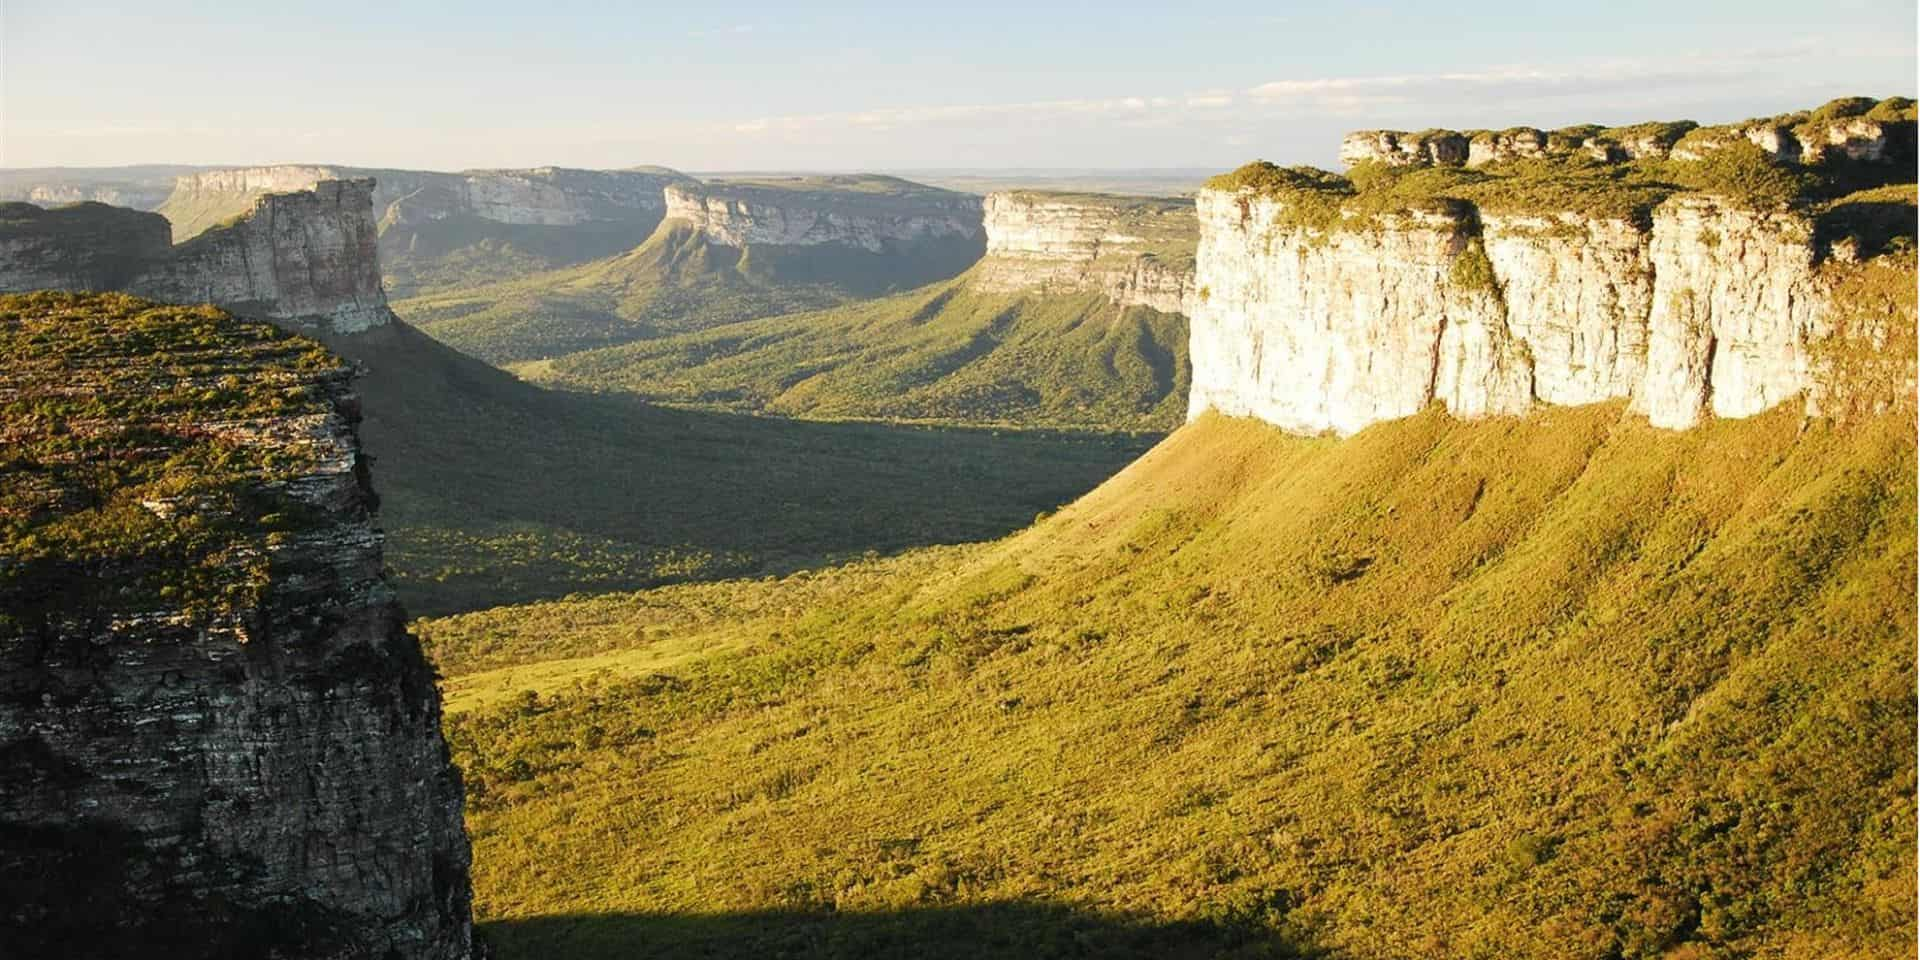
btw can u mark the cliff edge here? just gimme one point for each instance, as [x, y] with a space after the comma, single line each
[1137, 251]
[1720, 283]
[217, 736]
[307, 259]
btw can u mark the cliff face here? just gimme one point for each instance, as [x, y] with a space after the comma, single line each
[88, 246]
[1136, 251]
[545, 196]
[1710, 308]
[1320, 308]
[307, 259]
[873, 214]
[218, 738]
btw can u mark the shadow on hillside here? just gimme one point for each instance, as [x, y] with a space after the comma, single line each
[494, 491]
[1027, 931]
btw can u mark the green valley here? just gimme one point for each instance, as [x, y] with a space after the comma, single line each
[727, 251]
[1559, 686]
[946, 353]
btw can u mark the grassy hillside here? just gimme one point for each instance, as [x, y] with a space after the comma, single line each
[1564, 686]
[675, 281]
[498, 492]
[458, 253]
[944, 353]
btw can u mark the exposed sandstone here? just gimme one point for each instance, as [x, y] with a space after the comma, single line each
[1707, 307]
[1397, 148]
[874, 214]
[1136, 251]
[307, 259]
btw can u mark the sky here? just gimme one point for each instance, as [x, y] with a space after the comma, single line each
[797, 85]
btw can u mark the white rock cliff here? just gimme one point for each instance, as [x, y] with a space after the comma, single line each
[1711, 308]
[1135, 250]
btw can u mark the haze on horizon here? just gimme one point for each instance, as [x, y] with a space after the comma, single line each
[840, 86]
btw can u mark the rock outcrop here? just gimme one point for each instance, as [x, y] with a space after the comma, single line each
[870, 213]
[306, 259]
[1322, 311]
[217, 737]
[1398, 148]
[1857, 128]
[1135, 250]
[86, 246]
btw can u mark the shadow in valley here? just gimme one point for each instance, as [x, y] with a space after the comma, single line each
[495, 491]
[1027, 931]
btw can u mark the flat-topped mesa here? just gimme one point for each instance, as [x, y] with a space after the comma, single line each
[1693, 290]
[221, 740]
[1137, 251]
[872, 213]
[542, 196]
[308, 258]
[1856, 128]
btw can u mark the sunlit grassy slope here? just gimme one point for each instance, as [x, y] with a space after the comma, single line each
[946, 352]
[494, 491]
[1565, 686]
[675, 281]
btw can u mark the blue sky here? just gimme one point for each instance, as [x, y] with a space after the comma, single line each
[746, 85]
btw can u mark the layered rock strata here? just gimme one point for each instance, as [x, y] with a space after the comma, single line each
[1134, 250]
[1322, 312]
[217, 737]
[872, 214]
[308, 259]
[542, 196]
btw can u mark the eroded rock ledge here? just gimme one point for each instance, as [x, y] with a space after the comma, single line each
[1325, 305]
[308, 259]
[1134, 250]
[217, 737]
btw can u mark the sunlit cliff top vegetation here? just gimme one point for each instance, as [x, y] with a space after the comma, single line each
[139, 448]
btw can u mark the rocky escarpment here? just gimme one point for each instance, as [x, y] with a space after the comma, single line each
[217, 737]
[141, 187]
[543, 196]
[86, 246]
[1326, 306]
[1855, 128]
[869, 213]
[1135, 250]
[306, 259]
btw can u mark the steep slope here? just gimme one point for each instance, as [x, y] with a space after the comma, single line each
[728, 251]
[1074, 317]
[217, 737]
[1560, 685]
